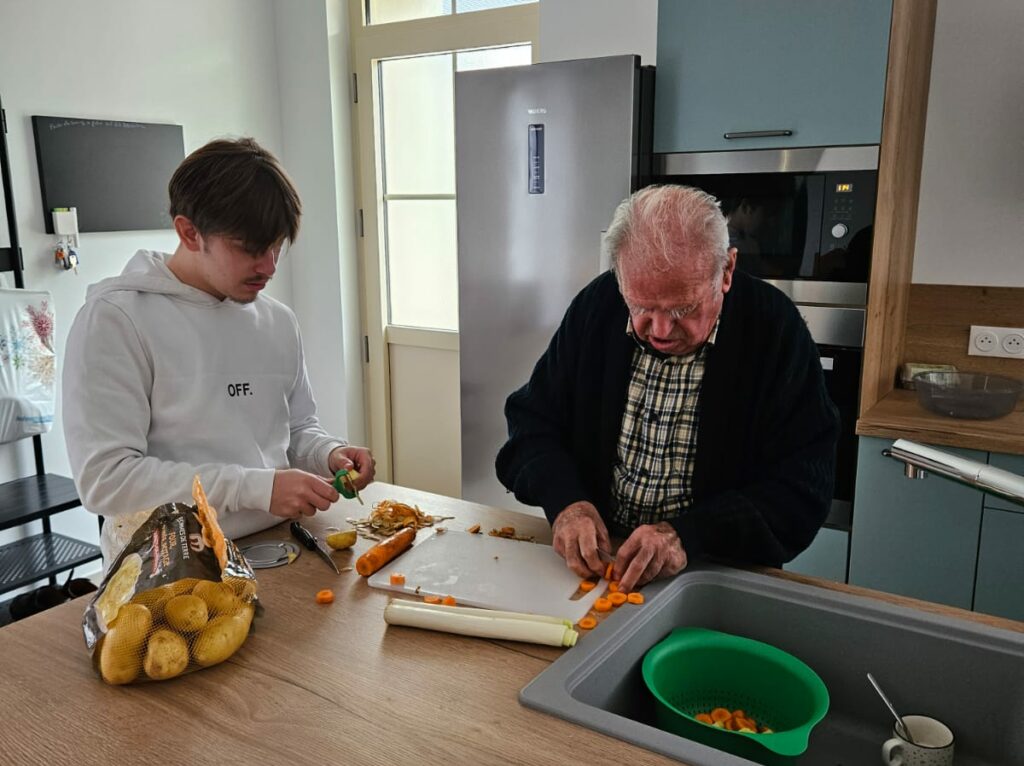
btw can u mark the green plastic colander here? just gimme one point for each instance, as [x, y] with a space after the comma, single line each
[694, 670]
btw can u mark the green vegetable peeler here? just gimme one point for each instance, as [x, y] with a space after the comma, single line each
[345, 483]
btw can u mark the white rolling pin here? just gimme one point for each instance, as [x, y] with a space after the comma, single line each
[481, 623]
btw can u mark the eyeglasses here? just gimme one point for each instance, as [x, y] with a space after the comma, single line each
[675, 314]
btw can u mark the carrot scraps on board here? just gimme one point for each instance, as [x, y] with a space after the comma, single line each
[587, 585]
[448, 601]
[474, 530]
[617, 599]
[432, 599]
[397, 579]
[602, 605]
[635, 598]
[325, 596]
[587, 623]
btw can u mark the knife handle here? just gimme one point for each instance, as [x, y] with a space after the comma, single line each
[303, 535]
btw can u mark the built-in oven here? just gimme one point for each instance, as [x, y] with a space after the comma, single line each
[803, 219]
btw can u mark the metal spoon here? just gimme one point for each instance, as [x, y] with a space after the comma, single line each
[901, 728]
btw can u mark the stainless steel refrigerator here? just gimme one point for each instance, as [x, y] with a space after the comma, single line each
[544, 154]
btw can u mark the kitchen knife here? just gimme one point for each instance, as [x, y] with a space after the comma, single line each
[306, 537]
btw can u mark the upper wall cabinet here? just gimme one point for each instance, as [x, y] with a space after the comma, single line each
[808, 74]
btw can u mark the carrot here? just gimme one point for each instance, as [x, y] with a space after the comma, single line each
[397, 579]
[384, 551]
[587, 585]
[617, 599]
[432, 599]
[602, 605]
[325, 596]
[720, 715]
[704, 718]
[614, 586]
[448, 601]
[588, 623]
[474, 530]
[608, 571]
[635, 598]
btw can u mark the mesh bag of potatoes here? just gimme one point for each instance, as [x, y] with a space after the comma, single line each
[179, 597]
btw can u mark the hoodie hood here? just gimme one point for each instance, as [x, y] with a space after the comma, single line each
[147, 272]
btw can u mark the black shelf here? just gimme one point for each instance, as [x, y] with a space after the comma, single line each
[34, 498]
[24, 562]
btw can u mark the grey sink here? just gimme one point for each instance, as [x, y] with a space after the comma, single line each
[968, 675]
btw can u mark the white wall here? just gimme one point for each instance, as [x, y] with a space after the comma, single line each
[209, 66]
[970, 227]
[578, 29]
[312, 53]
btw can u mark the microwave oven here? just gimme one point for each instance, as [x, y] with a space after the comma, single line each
[801, 219]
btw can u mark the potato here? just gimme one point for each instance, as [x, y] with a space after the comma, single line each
[220, 598]
[121, 649]
[243, 588]
[183, 587]
[186, 613]
[222, 637]
[166, 655]
[155, 599]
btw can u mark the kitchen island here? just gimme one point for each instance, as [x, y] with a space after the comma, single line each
[313, 684]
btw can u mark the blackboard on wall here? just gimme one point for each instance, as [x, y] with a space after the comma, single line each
[114, 172]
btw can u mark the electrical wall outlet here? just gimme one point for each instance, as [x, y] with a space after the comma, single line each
[1006, 342]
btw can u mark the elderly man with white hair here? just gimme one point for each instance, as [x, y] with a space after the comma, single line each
[680, 405]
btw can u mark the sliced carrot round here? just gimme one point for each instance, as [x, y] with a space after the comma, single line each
[432, 599]
[617, 599]
[397, 579]
[608, 571]
[587, 585]
[587, 623]
[325, 596]
[704, 718]
[720, 714]
[613, 586]
[602, 605]
[635, 598]
[448, 601]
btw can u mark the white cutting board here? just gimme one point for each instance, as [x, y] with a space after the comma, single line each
[490, 572]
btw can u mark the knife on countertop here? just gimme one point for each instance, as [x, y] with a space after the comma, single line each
[310, 542]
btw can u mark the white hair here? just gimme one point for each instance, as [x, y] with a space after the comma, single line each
[667, 227]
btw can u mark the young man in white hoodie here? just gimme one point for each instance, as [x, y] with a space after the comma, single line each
[180, 366]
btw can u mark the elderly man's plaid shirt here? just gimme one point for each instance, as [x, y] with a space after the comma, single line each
[652, 478]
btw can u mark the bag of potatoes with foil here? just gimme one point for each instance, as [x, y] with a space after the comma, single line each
[179, 597]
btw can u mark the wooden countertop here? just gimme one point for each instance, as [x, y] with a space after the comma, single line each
[899, 416]
[313, 685]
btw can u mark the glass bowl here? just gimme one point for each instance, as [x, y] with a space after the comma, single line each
[967, 394]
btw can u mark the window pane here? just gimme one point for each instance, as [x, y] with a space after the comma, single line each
[386, 11]
[422, 266]
[465, 6]
[493, 58]
[419, 123]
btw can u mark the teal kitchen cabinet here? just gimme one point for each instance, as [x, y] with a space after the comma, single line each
[999, 588]
[741, 66]
[825, 557]
[914, 537]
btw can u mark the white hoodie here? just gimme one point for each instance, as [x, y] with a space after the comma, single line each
[163, 381]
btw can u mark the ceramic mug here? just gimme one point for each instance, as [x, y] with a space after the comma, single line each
[933, 744]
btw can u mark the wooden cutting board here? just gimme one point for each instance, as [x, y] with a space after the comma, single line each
[490, 572]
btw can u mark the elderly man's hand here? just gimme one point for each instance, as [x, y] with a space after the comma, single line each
[578, 532]
[652, 551]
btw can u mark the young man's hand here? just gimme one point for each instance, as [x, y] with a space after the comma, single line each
[577, 533]
[652, 551]
[297, 493]
[353, 457]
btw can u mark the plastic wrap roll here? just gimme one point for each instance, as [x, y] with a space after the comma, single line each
[480, 623]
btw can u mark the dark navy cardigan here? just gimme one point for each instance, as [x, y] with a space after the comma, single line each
[765, 459]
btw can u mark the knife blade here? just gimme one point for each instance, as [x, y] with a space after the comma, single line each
[306, 537]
